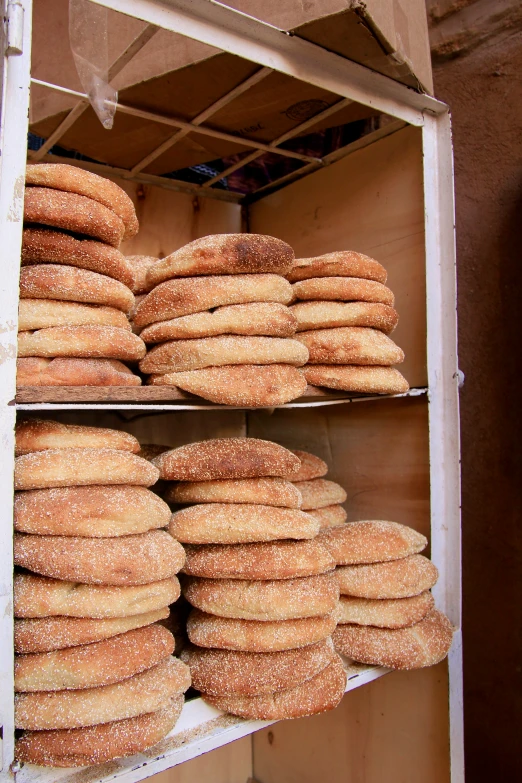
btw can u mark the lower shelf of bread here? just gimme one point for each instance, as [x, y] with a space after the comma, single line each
[200, 728]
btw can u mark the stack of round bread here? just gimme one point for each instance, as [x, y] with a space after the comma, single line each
[320, 497]
[218, 323]
[94, 676]
[344, 315]
[387, 615]
[263, 590]
[75, 285]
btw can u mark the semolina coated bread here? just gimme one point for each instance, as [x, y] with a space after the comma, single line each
[230, 523]
[95, 664]
[70, 284]
[45, 634]
[184, 296]
[319, 493]
[40, 596]
[358, 379]
[91, 511]
[423, 644]
[82, 342]
[208, 630]
[350, 345]
[40, 434]
[283, 599]
[36, 314]
[343, 289]
[152, 450]
[394, 613]
[80, 467]
[144, 692]
[100, 743]
[74, 372]
[342, 263]
[251, 673]
[123, 560]
[227, 458]
[267, 560]
[371, 541]
[408, 576]
[225, 254]
[318, 694]
[311, 466]
[326, 315]
[329, 516]
[139, 266]
[271, 491]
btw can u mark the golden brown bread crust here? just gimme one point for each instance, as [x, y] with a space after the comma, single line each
[72, 213]
[208, 630]
[319, 493]
[265, 318]
[342, 263]
[72, 179]
[152, 450]
[98, 744]
[71, 284]
[140, 266]
[43, 313]
[227, 458]
[145, 692]
[82, 342]
[329, 516]
[362, 380]
[267, 560]
[423, 644]
[74, 372]
[344, 289]
[79, 467]
[271, 491]
[39, 596]
[225, 254]
[394, 613]
[371, 541]
[39, 434]
[95, 664]
[283, 599]
[93, 511]
[319, 694]
[326, 315]
[401, 578]
[311, 466]
[350, 345]
[230, 523]
[45, 246]
[250, 673]
[124, 560]
[44, 634]
[196, 294]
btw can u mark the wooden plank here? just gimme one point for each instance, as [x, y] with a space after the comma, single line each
[228, 764]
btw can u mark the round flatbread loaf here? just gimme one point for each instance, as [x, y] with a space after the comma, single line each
[44, 313]
[140, 266]
[318, 694]
[124, 560]
[92, 511]
[342, 263]
[319, 492]
[242, 385]
[283, 599]
[40, 434]
[79, 467]
[360, 380]
[73, 213]
[74, 372]
[45, 246]
[251, 673]
[371, 541]
[92, 665]
[227, 458]
[145, 692]
[225, 254]
[402, 578]
[39, 596]
[196, 294]
[423, 644]
[68, 283]
[186, 355]
[343, 289]
[72, 179]
[98, 744]
[267, 560]
[329, 516]
[350, 345]
[326, 315]
[82, 342]
[152, 450]
[311, 466]
[230, 523]
[394, 613]
[265, 318]
[208, 630]
[44, 634]
[271, 491]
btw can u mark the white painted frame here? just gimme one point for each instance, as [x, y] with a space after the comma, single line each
[231, 31]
